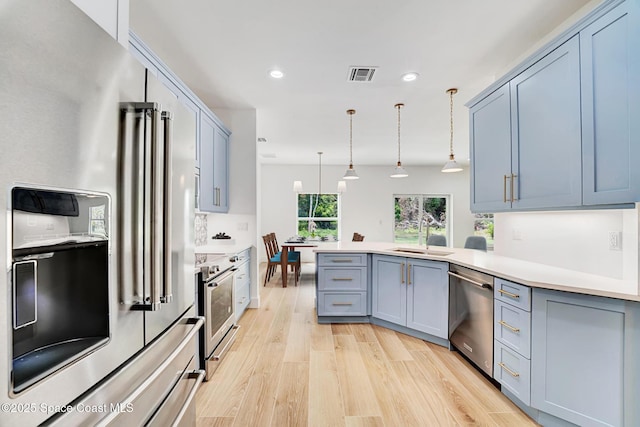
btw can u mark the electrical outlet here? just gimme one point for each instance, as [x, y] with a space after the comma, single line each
[516, 234]
[243, 226]
[615, 240]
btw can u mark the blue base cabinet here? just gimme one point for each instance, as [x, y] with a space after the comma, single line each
[341, 283]
[412, 293]
[584, 360]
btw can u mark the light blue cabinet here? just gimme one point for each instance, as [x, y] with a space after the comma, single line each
[525, 138]
[546, 142]
[412, 293]
[212, 138]
[578, 358]
[214, 142]
[610, 65]
[342, 286]
[242, 284]
[512, 338]
[573, 121]
[490, 127]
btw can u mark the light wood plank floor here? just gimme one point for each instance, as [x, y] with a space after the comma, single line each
[286, 370]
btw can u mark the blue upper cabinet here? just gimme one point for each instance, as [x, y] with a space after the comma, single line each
[490, 127]
[525, 138]
[610, 65]
[573, 130]
[546, 142]
[214, 147]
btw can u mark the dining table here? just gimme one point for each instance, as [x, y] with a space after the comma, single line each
[284, 258]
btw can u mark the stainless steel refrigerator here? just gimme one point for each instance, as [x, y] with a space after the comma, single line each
[96, 228]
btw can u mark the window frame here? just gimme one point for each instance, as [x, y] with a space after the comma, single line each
[448, 209]
[337, 219]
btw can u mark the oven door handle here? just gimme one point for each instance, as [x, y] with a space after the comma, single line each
[469, 280]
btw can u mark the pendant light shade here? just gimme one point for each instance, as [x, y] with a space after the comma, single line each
[451, 165]
[399, 171]
[297, 187]
[342, 187]
[351, 172]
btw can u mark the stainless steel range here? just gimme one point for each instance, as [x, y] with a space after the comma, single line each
[215, 303]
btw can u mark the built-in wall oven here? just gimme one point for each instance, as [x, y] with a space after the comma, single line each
[215, 294]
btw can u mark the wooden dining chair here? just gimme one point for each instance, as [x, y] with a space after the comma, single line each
[274, 258]
[357, 237]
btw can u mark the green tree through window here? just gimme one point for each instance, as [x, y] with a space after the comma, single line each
[318, 215]
[419, 216]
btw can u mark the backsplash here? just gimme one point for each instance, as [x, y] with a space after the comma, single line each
[601, 242]
[200, 225]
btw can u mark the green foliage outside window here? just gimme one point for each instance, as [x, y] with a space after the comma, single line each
[318, 216]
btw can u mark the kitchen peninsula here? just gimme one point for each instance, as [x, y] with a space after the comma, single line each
[565, 342]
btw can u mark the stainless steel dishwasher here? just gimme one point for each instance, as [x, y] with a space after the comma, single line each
[471, 315]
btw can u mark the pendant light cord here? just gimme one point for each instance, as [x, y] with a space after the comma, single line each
[398, 106]
[351, 138]
[451, 92]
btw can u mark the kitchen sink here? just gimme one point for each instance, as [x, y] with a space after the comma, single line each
[425, 251]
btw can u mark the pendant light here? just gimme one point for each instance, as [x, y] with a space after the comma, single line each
[399, 171]
[351, 172]
[451, 165]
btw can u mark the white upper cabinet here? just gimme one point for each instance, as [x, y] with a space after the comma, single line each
[111, 15]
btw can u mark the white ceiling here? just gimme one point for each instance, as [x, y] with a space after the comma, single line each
[223, 51]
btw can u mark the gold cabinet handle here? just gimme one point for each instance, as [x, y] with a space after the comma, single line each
[342, 303]
[342, 279]
[513, 178]
[402, 273]
[508, 326]
[509, 294]
[504, 188]
[408, 274]
[509, 371]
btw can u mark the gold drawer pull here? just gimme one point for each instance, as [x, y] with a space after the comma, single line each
[513, 374]
[508, 326]
[342, 303]
[341, 260]
[342, 279]
[509, 294]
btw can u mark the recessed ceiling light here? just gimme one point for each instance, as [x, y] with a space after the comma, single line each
[409, 77]
[276, 74]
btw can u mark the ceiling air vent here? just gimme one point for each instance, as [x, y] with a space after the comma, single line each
[361, 74]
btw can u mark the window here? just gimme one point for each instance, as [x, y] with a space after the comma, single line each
[483, 226]
[318, 216]
[419, 216]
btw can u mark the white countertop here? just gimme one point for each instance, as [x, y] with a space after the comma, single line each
[524, 272]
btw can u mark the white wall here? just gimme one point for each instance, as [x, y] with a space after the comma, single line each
[577, 240]
[367, 206]
[111, 15]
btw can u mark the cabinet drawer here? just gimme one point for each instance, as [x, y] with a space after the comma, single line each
[344, 279]
[513, 293]
[342, 303]
[336, 259]
[243, 273]
[513, 328]
[513, 371]
[242, 297]
[244, 255]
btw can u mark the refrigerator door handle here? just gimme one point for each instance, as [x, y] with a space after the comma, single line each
[138, 181]
[154, 221]
[167, 295]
